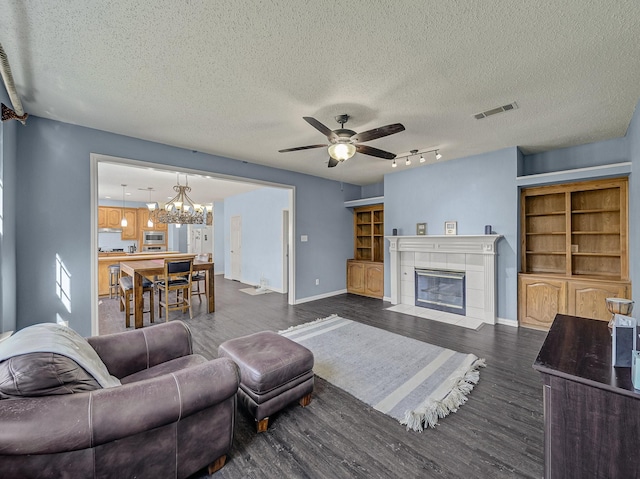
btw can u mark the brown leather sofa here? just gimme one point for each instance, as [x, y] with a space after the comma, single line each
[172, 416]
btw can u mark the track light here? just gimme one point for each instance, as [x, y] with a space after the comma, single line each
[415, 152]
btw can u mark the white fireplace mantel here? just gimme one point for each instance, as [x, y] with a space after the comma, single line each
[473, 254]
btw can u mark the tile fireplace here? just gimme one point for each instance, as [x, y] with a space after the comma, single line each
[468, 261]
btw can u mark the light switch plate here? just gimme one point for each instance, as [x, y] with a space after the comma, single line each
[304, 238]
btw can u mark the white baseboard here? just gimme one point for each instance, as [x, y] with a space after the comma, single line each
[320, 296]
[386, 298]
[507, 322]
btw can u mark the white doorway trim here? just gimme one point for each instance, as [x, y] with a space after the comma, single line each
[235, 248]
[285, 251]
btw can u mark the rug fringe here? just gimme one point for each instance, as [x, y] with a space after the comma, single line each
[428, 413]
[299, 326]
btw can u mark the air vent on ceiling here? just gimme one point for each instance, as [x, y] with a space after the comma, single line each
[495, 111]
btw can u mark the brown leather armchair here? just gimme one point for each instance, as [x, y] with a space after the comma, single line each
[172, 416]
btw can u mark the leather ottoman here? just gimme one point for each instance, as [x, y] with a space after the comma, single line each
[274, 372]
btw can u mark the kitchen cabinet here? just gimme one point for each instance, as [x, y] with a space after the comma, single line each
[365, 278]
[574, 235]
[130, 232]
[109, 217]
[143, 218]
[103, 275]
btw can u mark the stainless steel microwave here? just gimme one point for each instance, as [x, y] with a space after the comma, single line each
[154, 237]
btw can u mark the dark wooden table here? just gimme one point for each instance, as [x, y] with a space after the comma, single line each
[592, 411]
[154, 267]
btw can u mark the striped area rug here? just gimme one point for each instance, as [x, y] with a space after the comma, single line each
[414, 382]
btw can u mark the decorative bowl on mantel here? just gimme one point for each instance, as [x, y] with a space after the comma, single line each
[618, 306]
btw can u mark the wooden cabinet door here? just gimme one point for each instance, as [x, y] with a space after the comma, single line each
[142, 219]
[130, 232]
[540, 299]
[103, 278]
[374, 280]
[588, 299]
[355, 277]
[114, 216]
[102, 217]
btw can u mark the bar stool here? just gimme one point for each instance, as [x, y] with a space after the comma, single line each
[114, 280]
[200, 276]
[126, 284]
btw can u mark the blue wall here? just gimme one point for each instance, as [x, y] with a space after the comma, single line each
[8, 161]
[261, 234]
[474, 191]
[371, 191]
[53, 184]
[582, 156]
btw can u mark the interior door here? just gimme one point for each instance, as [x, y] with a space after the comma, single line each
[235, 236]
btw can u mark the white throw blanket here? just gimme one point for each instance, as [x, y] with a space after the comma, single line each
[58, 339]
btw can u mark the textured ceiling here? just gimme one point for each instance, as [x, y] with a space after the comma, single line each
[235, 77]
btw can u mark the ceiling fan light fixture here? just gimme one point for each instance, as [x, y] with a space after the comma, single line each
[342, 151]
[438, 155]
[408, 162]
[422, 160]
[394, 164]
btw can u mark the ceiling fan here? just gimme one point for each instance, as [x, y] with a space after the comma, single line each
[344, 143]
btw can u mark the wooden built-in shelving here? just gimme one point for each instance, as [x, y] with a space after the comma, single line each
[365, 273]
[575, 231]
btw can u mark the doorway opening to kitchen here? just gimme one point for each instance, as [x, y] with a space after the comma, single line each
[140, 190]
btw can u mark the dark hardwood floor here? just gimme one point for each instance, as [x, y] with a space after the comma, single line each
[498, 433]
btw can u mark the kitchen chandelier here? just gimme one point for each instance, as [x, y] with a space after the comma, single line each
[180, 210]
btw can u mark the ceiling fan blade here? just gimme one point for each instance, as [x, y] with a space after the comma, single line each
[332, 162]
[320, 127]
[377, 133]
[371, 151]
[302, 148]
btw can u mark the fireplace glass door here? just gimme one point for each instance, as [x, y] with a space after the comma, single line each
[441, 290]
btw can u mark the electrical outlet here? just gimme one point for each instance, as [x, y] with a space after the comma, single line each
[317, 282]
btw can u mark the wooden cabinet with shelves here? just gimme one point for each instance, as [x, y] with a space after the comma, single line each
[365, 273]
[368, 225]
[573, 232]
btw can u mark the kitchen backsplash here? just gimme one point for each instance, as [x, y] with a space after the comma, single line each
[109, 241]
